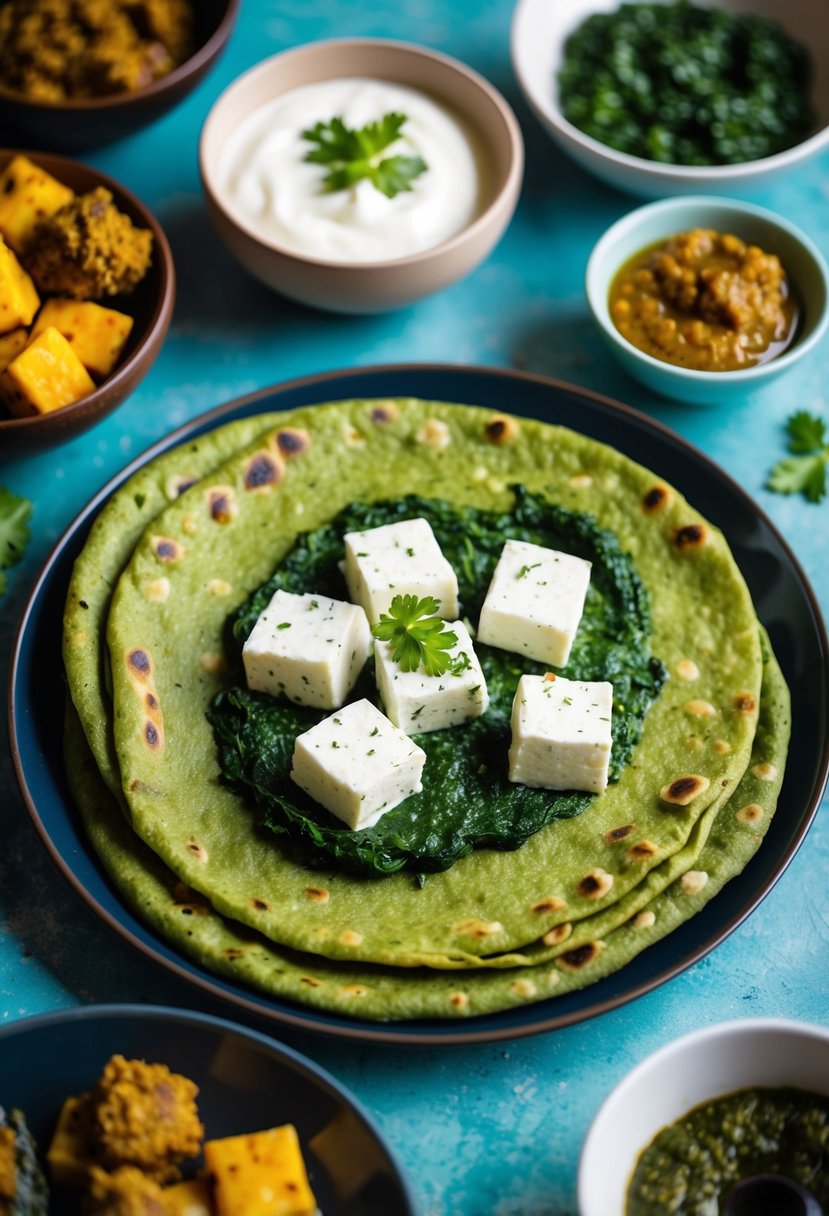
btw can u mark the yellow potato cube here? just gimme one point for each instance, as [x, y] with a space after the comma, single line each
[68, 1157]
[19, 300]
[97, 335]
[11, 344]
[28, 195]
[44, 377]
[188, 1199]
[261, 1174]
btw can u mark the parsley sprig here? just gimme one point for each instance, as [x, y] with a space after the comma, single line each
[353, 154]
[417, 635]
[14, 530]
[804, 472]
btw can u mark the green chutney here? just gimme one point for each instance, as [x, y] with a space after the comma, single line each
[690, 1168]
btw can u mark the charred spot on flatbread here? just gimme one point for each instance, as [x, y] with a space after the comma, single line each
[501, 430]
[745, 703]
[656, 499]
[291, 441]
[683, 790]
[580, 956]
[615, 835]
[384, 412]
[221, 502]
[595, 884]
[689, 537]
[140, 663]
[166, 549]
[262, 471]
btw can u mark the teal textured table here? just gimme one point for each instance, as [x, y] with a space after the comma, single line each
[486, 1130]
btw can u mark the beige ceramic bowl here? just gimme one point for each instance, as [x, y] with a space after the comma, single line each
[364, 287]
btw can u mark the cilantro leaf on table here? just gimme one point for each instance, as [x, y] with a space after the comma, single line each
[417, 635]
[804, 472]
[351, 155]
[14, 531]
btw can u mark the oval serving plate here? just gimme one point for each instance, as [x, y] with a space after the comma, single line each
[247, 1082]
[783, 598]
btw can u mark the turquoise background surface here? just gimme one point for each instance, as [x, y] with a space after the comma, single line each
[487, 1130]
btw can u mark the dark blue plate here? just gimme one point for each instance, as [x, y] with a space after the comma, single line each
[785, 604]
[246, 1081]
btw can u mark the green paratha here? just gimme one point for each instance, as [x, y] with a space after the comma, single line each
[233, 952]
[222, 537]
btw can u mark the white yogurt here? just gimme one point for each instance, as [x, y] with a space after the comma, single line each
[267, 182]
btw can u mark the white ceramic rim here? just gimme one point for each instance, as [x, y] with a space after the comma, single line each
[547, 110]
[632, 219]
[509, 188]
[659, 1058]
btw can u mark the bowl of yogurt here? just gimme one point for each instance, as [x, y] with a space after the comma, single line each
[358, 175]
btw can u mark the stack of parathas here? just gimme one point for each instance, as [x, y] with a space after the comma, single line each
[188, 539]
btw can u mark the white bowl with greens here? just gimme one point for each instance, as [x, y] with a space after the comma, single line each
[726, 93]
[771, 1055]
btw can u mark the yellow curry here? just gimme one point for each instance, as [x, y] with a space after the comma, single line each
[705, 300]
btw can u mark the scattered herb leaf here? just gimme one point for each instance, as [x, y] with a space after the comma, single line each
[14, 530]
[804, 472]
[354, 154]
[418, 636]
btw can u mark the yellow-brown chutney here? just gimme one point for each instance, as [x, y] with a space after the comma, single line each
[705, 300]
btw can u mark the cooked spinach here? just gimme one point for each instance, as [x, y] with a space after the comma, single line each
[686, 85]
[468, 801]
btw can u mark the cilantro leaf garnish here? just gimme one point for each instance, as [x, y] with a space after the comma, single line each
[804, 472]
[352, 154]
[417, 635]
[14, 531]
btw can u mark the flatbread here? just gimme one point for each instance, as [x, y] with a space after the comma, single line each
[237, 954]
[107, 550]
[229, 530]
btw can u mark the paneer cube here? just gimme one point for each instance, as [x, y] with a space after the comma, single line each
[561, 733]
[398, 559]
[69, 1157]
[44, 377]
[357, 764]
[28, 195]
[191, 1198]
[534, 602]
[97, 335]
[308, 648]
[11, 344]
[416, 702]
[262, 1174]
[19, 300]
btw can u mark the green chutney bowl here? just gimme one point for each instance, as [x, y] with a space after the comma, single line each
[802, 262]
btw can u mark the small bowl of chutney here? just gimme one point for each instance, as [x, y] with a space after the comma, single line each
[705, 299]
[732, 1118]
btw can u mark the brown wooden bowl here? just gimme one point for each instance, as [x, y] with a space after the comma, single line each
[151, 306]
[72, 126]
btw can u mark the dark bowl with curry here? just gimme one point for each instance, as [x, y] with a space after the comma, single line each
[705, 299]
[128, 295]
[68, 84]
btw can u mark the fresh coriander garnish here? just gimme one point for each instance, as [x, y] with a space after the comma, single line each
[804, 472]
[524, 571]
[14, 531]
[352, 155]
[418, 636]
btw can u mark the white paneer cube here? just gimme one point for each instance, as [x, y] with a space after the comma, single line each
[307, 648]
[398, 559]
[535, 602]
[561, 733]
[418, 702]
[357, 764]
